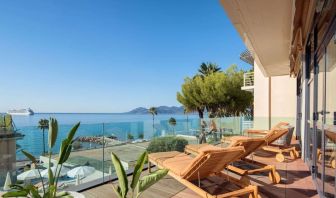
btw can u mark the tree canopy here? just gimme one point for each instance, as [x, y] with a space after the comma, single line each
[218, 92]
[152, 110]
[208, 68]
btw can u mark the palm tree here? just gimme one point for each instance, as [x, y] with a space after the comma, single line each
[153, 111]
[43, 124]
[208, 68]
[172, 122]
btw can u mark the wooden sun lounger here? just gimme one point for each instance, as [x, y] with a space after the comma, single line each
[203, 174]
[331, 135]
[272, 136]
[259, 132]
[250, 145]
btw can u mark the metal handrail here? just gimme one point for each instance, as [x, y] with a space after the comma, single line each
[249, 79]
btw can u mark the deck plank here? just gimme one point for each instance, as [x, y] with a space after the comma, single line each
[296, 181]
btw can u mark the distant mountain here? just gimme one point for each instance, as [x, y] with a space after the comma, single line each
[160, 110]
[139, 110]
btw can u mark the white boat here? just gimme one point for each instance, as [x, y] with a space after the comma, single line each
[28, 111]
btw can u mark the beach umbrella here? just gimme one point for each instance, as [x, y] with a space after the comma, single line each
[46, 164]
[81, 171]
[8, 182]
[30, 174]
[63, 172]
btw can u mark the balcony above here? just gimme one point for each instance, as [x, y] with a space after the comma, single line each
[248, 82]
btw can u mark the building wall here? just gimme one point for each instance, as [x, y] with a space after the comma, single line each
[7, 159]
[276, 98]
[283, 99]
[261, 102]
[261, 93]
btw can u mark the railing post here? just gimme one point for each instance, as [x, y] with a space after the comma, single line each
[103, 151]
[244, 79]
[248, 79]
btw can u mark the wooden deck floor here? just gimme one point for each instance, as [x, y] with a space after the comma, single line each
[167, 187]
[295, 182]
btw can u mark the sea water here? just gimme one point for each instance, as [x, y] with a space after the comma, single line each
[99, 124]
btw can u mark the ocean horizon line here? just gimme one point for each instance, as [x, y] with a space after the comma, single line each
[99, 113]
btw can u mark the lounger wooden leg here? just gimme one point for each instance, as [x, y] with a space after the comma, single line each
[274, 176]
[280, 157]
[149, 167]
[297, 154]
[332, 159]
[255, 193]
[319, 155]
[292, 154]
[245, 180]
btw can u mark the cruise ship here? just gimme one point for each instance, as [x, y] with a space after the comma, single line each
[28, 111]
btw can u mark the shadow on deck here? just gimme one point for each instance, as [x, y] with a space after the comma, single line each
[296, 181]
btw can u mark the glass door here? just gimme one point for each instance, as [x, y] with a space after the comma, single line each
[319, 120]
[329, 114]
[309, 64]
[320, 59]
[311, 121]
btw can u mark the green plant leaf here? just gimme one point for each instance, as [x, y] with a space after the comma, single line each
[67, 196]
[117, 191]
[21, 193]
[122, 178]
[46, 194]
[16, 187]
[29, 156]
[66, 145]
[53, 130]
[51, 177]
[138, 169]
[34, 192]
[151, 179]
[61, 194]
[72, 132]
[67, 153]
[63, 148]
[52, 189]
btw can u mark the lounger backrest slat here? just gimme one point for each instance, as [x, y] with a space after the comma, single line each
[286, 139]
[275, 134]
[281, 124]
[212, 161]
[331, 135]
[250, 145]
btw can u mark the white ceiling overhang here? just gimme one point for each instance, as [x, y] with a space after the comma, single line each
[266, 28]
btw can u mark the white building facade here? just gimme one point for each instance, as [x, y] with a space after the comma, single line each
[293, 44]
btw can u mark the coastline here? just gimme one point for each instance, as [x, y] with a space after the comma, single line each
[93, 125]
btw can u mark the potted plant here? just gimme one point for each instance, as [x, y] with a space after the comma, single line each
[50, 189]
[138, 185]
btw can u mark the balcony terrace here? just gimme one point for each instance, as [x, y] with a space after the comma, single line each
[295, 176]
[248, 82]
[296, 181]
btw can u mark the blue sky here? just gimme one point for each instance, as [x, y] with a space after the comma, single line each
[108, 56]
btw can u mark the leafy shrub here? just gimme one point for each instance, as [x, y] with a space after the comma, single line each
[130, 136]
[168, 143]
[141, 136]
